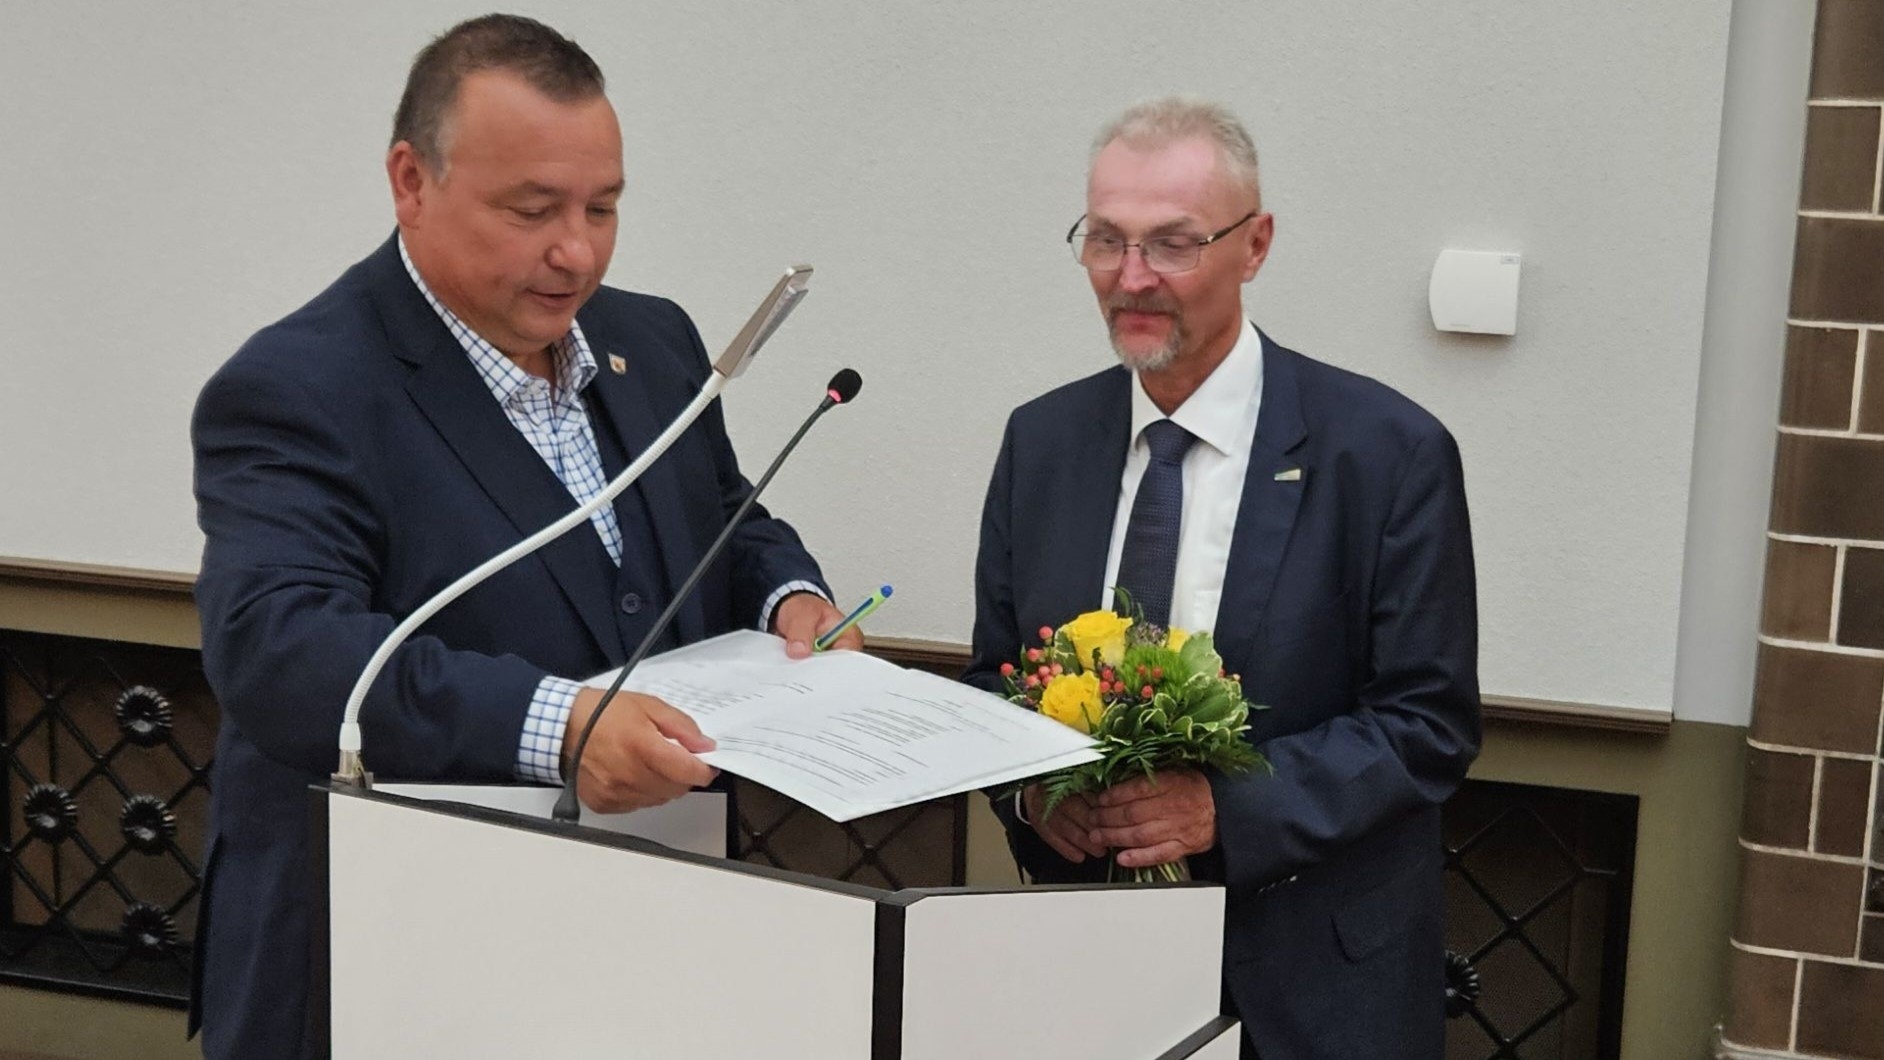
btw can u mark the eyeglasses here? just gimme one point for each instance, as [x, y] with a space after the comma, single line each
[1162, 254]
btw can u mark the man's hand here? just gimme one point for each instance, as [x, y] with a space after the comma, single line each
[1156, 821]
[641, 753]
[802, 618]
[1068, 829]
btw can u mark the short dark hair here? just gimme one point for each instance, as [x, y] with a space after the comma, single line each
[550, 62]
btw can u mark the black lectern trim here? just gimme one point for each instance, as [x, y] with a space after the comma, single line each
[910, 894]
[320, 995]
[1203, 1036]
[886, 999]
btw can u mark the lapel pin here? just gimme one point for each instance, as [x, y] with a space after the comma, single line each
[617, 364]
[1293, 474]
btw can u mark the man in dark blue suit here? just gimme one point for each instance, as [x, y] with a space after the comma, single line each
[1316, 521]
[463, 386]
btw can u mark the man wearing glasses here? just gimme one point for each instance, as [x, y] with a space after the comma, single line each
[1316, 521]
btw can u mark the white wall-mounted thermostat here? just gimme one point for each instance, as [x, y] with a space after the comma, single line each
[1475, 291]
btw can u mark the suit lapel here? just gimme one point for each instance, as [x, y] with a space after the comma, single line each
[1266, 515]
[447, 390]
[625, 400]
[1087, 492]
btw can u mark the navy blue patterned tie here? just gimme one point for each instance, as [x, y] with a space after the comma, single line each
[1148, 563]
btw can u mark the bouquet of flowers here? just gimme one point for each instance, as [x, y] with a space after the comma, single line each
[1153, 698]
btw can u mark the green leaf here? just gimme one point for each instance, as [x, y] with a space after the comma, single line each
[1200, 657]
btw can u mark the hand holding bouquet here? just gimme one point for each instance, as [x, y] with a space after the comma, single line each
[1153, 698]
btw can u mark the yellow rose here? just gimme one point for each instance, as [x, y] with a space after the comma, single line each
[1073, 699]
[1175, 638]
[1100, 631]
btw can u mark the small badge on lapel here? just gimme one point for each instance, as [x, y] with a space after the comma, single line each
[1293, 474]
[617, 364]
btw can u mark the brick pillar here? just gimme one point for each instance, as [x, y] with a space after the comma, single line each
[1808, 944]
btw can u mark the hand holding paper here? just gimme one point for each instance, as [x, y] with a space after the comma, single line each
[848, 734]
[642, 753]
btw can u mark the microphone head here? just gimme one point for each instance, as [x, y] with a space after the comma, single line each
[844, 385]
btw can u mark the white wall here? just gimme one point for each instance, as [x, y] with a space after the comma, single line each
[1769, 62]
[174, 176]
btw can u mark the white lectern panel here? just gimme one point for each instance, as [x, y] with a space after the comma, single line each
[595, 951]
[1054, 972]
[695, 822]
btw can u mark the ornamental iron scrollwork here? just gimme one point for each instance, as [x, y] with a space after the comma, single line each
[105, 754]
[144, 715]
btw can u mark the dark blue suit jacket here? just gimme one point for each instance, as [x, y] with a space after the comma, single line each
[1349, 608]
[350, 463]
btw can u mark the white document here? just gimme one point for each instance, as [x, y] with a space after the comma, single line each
[848, 734]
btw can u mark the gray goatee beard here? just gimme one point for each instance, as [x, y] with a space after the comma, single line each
[1151, 360]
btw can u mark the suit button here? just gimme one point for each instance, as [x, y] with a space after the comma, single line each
[631, 604]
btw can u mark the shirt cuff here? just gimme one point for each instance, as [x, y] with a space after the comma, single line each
[1020, 810]
[778, 596]
[540, 751]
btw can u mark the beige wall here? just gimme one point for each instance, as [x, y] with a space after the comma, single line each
[83, 1028]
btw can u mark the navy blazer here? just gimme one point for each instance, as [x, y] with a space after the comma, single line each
[349, 464]
[1349, 608]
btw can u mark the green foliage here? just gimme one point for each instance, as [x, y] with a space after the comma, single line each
[1062, 651]
[1200, 655]
[1154, 660]
[1200, 723]
[1195, 717]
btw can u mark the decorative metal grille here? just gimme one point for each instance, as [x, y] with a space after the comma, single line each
[105, 749]
[1538, 883]
[917, 846]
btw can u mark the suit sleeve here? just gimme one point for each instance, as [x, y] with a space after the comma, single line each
[764, 553]
[1415, 726]
[996, 638]
[284, 499]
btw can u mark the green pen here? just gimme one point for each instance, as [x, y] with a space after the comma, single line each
[857, 614]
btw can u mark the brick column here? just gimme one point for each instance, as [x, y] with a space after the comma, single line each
[1808, 944]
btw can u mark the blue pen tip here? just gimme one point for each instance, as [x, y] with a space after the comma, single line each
[889, 590]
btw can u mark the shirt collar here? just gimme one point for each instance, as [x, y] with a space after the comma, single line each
[575, 364]
[1219, 413]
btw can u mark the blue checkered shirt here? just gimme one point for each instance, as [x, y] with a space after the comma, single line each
[556, 424]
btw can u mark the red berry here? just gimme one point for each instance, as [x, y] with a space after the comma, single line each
[1007, 669]
[1033, 654]
[1046, 632]
[1145, 691]
[1157, 673]
[1058, 669]
[1044, 673]
[1032, 681]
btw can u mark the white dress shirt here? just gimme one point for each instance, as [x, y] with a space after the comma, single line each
[1222, 414]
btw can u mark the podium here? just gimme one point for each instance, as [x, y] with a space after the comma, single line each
[442, 929]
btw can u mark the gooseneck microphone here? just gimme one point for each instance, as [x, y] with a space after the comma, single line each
[785, 295]
[840, 390]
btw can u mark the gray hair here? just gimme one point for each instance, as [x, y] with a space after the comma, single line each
[1157, 122]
